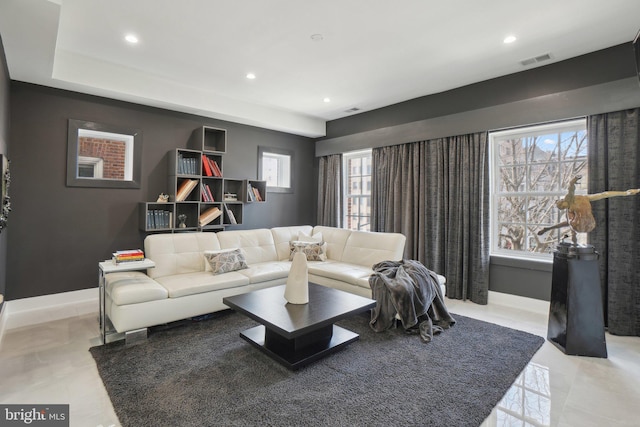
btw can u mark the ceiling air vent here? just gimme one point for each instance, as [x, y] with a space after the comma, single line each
[535, 60]
[352, 110]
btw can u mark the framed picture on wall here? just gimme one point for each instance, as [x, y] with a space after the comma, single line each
[4, 197]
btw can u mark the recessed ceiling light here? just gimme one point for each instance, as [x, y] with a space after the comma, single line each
[327, 99]
[251, 76]
[131, 38]
[509, 39]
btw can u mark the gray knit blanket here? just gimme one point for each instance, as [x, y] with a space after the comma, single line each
[412, 291]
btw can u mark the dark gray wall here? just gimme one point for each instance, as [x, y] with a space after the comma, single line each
[595, 83]
[59, 234]
[4, 137]
[601, 67]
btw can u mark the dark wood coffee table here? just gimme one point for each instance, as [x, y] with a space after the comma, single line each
[298, 334]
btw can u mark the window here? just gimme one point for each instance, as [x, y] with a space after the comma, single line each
[275, 167]
[531, 169]
[90, 167]
[357, 190]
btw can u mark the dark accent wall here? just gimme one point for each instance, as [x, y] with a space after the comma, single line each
[59, 234]
[595, 83]
[4, 137]
[603, 66]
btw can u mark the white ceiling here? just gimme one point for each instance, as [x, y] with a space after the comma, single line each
[193, 55]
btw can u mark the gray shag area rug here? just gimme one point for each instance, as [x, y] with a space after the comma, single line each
[203, 374]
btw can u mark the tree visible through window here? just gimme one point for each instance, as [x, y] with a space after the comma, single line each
[531, 169]
[357, 192]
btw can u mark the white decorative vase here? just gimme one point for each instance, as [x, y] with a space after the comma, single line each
[297, 288]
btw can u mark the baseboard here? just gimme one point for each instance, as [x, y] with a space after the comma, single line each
[522, 303]
[47, 308]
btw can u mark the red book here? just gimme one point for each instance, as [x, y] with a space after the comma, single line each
[205, 163]
[218, 172]
[212, 167]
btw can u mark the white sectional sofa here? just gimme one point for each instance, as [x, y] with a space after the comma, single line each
[182, 284]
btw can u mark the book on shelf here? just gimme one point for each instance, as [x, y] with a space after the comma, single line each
[185, 189]
[217, 172]
[253, 194]
[205, 194]
[250, 193]
[230, 197]
[209, 215]
[187, 165]
[157, 219]
[206, 166]
[257, 194]
[209, 193]
[180, 164]
[230, 215]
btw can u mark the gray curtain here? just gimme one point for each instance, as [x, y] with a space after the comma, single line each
[330, 191]
[614, 164]
[437, 194]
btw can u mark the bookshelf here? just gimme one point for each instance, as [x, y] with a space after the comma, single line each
[211, 139]
[198, 189]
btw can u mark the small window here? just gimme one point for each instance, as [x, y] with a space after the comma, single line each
[90, 167]
[357, 190]
[275, 166]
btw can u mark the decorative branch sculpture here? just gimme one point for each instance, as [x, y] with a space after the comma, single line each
[579, 216]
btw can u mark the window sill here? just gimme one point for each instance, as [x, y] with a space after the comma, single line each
[529, 264]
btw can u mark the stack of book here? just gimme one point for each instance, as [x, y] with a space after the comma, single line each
[207, 195]
[185, 189]
[128, 256]
[211, 167]
[209, 215]
[187, 165]
[158, 219]
[230, 215]
[253, 193]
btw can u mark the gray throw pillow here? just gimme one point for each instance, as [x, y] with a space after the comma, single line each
[314, 251]
[226, 260]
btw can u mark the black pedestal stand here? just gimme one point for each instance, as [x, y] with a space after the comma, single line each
[576, 318]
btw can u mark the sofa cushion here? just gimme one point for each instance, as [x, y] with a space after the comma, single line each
[314, 251]
[367, 248]
[306, 237]
[133, 287]
[267, 271]
[283, 235]
[181, 285]
[336, 239]
[349, 273]
[178, 253]
[225, 260]
[258, 245]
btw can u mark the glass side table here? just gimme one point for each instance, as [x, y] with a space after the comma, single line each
[109, 266]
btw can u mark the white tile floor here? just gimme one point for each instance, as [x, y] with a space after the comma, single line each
[49, 363]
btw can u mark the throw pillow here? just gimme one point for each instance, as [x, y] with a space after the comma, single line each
[316, 238]
[314, 251]
[226, 260]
